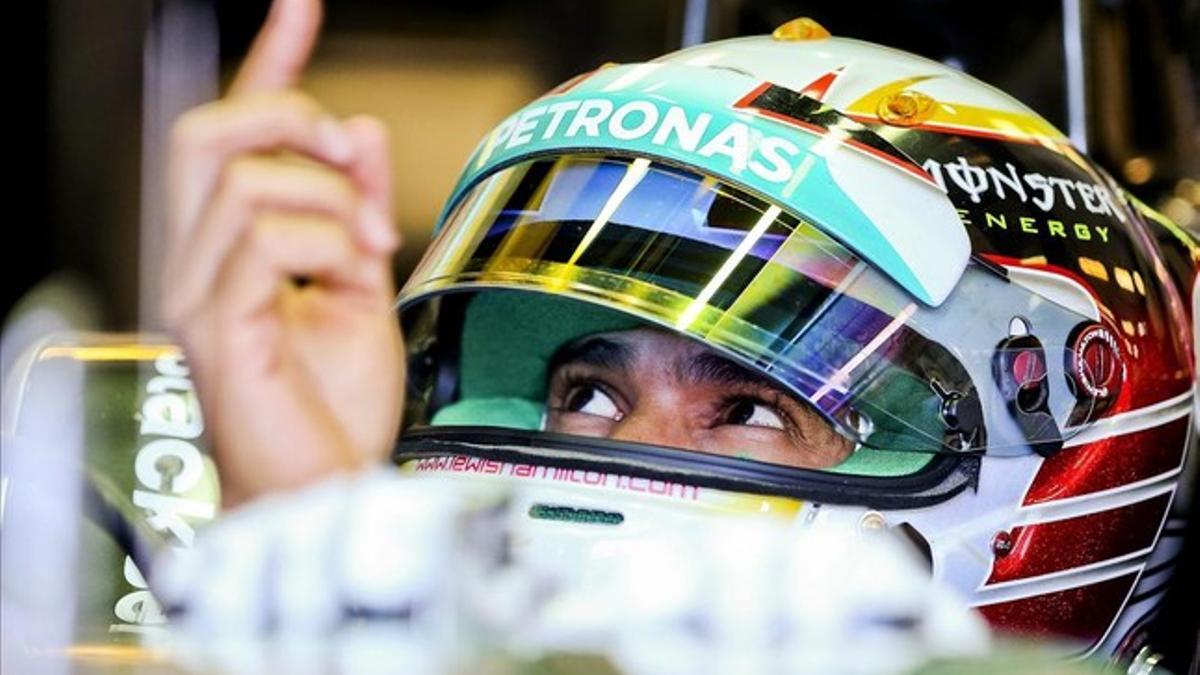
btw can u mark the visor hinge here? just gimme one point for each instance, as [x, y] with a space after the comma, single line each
[963, 417]
[1020, 370]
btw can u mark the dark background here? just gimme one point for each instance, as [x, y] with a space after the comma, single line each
[90, 116]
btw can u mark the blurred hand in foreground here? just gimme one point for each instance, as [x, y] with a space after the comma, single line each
[279, 281]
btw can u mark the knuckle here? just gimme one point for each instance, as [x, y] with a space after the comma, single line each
[373, 126]
[260, 237]
[241, 169]
[336, 186]
[298, 100]
[331, 190]
[241, 178]
[190, 129]
[296, 106]
[259, 247]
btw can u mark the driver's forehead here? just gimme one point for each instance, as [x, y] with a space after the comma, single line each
[632, 349]
[648, 353]
[656, 344]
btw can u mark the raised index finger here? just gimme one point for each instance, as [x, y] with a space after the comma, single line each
[281, 49]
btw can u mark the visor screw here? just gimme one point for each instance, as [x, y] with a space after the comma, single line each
[950, 409]
[1002, 544]
[872, 520]
[798, 30]
[906, 108]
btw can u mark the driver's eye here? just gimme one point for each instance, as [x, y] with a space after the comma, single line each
[591, 400]
[750, 412]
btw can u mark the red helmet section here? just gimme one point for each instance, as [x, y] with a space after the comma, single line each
[1043, 207]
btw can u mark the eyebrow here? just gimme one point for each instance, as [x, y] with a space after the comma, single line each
[710, 368]
[595, 351]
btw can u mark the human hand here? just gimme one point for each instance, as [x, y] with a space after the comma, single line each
[279, 281]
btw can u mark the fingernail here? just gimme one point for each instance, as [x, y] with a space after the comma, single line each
[335, 141]
[378, 229]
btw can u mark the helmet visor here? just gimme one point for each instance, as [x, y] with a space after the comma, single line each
[766, 287]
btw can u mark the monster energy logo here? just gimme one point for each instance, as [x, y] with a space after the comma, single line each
[1006, 183]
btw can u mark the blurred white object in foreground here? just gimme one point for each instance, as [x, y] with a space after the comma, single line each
[434, 573]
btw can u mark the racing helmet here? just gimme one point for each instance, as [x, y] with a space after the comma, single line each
[997, 333]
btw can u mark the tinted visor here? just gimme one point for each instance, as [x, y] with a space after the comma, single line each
[687, 253]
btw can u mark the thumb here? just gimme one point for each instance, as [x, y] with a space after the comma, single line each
[371, 171]
[282, 47]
